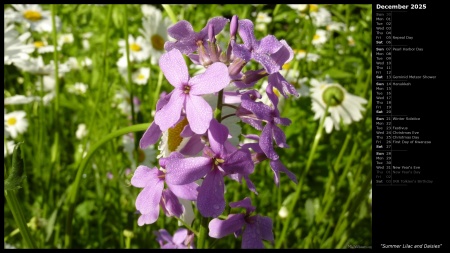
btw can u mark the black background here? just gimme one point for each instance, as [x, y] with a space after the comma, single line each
[417, 214]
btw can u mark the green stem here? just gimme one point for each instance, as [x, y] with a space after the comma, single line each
[17, 213]
[169, 11]
[317, 137]
[218, 111]
[202, 233]
[72, 197]
[55, 58]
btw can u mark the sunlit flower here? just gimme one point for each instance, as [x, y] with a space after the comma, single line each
[16, 123]
[261, 21]
[66, 38]
[283, 213]
[19, 99]
[81, 132]
[343, 106]
[302, 54]
[78, 88]
[321, 17]
[139, 48]
[141, 76]
[336, 26]
[37, 66]
[8, 148]
[34, 17]
[15, 48]
[299, 7]
[320, 37]
[182, 239]
[154, 30]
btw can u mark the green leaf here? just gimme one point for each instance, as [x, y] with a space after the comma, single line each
[14, 180]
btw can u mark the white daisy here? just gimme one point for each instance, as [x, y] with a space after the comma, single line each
[351, 41]
[321, 17]
[15, 48]
[343, 106]
[85, 40]
[308, 56]
[320, 37]
[34, 17]
[81, 132]
[154, 30]
[299, 7]
[76, 64]
[37, 66]
[141, 76]
[66, 38]
[145, 157]
[336, 26]
[19, 99]
[43, 47]
[78, 88]
[9, 148]
[261, 21]
[16, 123]
[139, 48]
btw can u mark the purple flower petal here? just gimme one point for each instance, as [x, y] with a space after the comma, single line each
[241, 51]
[171, 112]
[210, 200]
[246, 33]
[185, 47]
[251, 239]
[163, 236]
[268, 63]
[284, 87]
[261, 110]
[269, 45]
[174, 68]
[147, 219]
[186, 191]
[174, 155]
[239, 161]
[220, 228]
[214, 79]
[181, 30]
[265, 142]
[245, 203]
[218, 23]
[217, 135]
[277, 167]
[193, 146]
[179, 236]
[187, 170]
[264, 226]
[148, 199]
[199, 113]
[170, 204]
[151, 136]
[284, 54]
[280, 138]
[144, 176]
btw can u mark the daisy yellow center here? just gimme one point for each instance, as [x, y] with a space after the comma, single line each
[32, 15]
[316, 37]
[313, 7]
[157, 42]
[333, 96]
[38, 44]
[174, 139]
[135, 47]
[11, 121]
[141, 77]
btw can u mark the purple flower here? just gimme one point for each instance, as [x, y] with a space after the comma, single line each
[154, 195]
[258, 50]
[272, 117]
[182, 239]
[257, 228]
[276, 165]
[187, 40]
[188, 91]
[217, 161]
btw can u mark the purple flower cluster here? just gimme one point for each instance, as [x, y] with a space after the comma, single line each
[208, 157]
